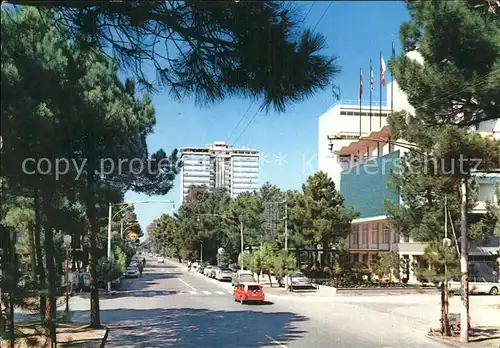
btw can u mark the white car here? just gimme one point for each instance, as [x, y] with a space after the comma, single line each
[477, 285]
[242, 276]
[207, 271]
[161, 260]
[223, 273]
[132, 272]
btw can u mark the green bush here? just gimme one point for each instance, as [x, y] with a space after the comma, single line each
[108, 270]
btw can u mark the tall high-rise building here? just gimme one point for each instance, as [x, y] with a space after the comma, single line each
[219, 165]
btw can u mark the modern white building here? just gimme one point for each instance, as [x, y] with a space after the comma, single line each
[219, 165]
[360, 168]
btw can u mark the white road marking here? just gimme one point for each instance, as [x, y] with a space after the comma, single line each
[207, 292]
[220, 292]
[276, 342]
[230, 292]
[193, 292]
[187, 284]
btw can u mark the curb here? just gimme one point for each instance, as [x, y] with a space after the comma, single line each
[444, 341]
[105, 338]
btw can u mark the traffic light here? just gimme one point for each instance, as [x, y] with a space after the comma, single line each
[330, 147]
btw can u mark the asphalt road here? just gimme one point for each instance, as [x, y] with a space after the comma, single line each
[169, 307]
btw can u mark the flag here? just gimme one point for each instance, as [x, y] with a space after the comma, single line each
[371, 76]
[382, 70]
[360, 84]
[393, 50]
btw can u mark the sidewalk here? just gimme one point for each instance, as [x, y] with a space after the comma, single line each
[479, 337]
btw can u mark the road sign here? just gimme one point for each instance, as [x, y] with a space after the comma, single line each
[132, 236]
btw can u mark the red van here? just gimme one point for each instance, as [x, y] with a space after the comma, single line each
[248, 292]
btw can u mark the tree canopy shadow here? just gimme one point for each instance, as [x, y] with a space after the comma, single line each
[190, 327]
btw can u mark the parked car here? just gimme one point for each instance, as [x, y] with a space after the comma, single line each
[132, 272]
[248, 292]
[161, 260]
[242, 276]
[296, 280]
[208, 270]
[196, 264]
[213, 271]
[85, 281]
[201, 268]
[224, 273]
[477, 285]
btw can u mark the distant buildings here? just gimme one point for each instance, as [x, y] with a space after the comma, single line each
[219, 165]
[361, 170]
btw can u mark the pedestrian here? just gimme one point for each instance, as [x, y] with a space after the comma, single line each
[189, 266]
[141, 267]
[144, 262]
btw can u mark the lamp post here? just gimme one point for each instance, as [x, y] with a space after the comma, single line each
[67, 244]
[125, 205]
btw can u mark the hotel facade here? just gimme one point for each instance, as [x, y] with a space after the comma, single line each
[361, 168]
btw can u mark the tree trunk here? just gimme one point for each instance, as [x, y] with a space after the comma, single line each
[325, 257]
[38, 251]
[31, 240]
[95, 320]
[51, 305]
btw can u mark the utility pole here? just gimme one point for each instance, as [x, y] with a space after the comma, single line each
[286, 221]
[464, 265]
[110, 211]
[446, 244]
[241, 237]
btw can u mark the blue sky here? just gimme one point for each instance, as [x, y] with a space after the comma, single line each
[355, 32]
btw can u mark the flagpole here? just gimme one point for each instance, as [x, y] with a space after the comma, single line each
[360, 96]
[371, 88]
[392, 79]
[380, 105]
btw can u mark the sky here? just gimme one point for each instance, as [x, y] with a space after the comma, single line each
[355, 32]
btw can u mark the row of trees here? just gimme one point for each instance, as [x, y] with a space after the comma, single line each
[71, 127]
[63, 111]
[211, 219]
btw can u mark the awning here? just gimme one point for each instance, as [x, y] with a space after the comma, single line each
[363, 143]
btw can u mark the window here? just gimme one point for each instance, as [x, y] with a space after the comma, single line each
[355, 258]
[385, 234]
[395, 237]
[406, 237]
[374, 233]
[365, 234]
[355, 234]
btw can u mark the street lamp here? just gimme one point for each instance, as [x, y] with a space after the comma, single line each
[125, 205]
[67, 244]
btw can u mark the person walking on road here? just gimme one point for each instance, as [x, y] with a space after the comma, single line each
[141, 268]
[189, 266]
